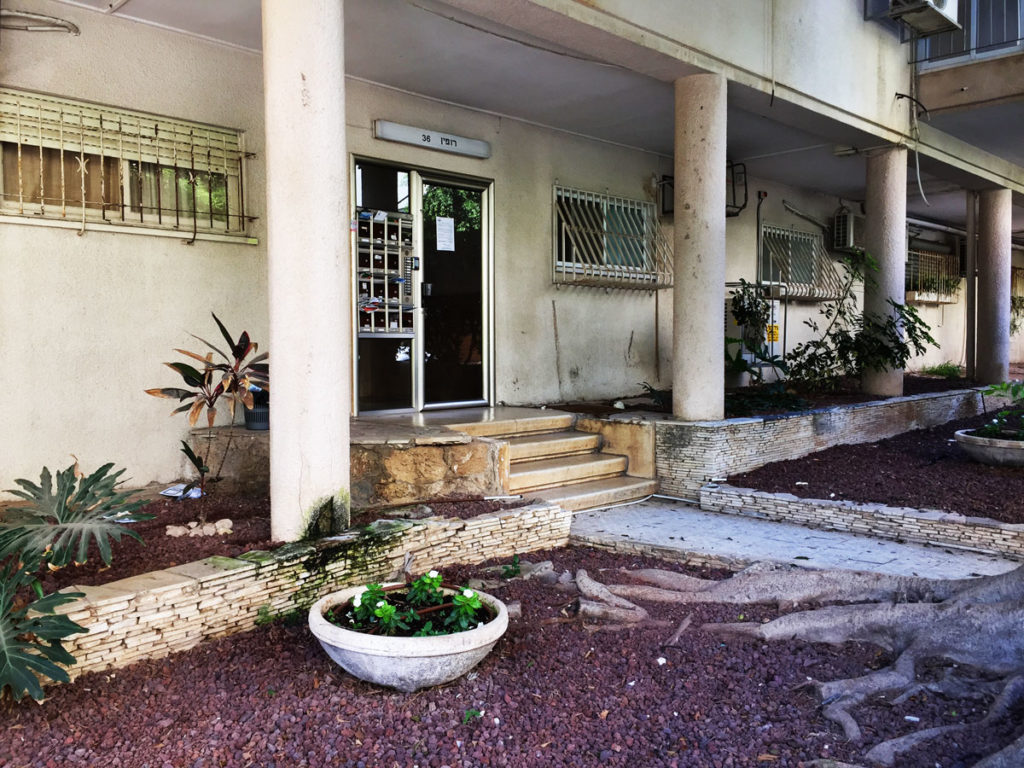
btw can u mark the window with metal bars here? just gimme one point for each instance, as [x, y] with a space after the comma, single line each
[798, 264]
[932, 278]
[67, 159]
[608, 241]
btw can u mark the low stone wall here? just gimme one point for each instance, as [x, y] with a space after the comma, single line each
[390, 464]
[161, 612]
[388, 475]
[690, 454]
[902, 523]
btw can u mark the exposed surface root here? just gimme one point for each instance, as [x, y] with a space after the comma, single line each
[971, 623]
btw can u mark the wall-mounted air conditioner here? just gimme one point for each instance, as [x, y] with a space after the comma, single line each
[926, 17]
[847, 232]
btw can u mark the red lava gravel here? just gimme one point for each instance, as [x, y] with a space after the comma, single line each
[920, 469]
[550, 694]
[251, 518]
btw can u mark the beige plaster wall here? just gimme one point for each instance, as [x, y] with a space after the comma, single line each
[820, 54]
[85, 321]
[605, 342]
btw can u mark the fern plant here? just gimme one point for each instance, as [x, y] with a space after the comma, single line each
[54, 528]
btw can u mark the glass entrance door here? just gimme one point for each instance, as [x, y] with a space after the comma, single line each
[452, 295]
[421, 262]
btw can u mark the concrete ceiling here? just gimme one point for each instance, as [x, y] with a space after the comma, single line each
[428, 47]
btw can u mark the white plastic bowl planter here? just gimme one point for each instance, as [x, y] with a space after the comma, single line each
[405, 663]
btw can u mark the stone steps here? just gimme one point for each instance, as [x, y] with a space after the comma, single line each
[549, 460]
[551, 444]
[598, 493]
[538, 474]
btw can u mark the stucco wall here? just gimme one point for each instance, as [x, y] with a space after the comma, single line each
[86, 321]
[605, 340]
[821, 54]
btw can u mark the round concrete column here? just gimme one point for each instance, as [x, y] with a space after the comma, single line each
[885, 239]
[698, 295]
[308, 265]
[992, 357]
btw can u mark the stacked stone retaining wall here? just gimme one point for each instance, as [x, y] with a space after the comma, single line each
[161, 612]
[899, 523]
[690, 454]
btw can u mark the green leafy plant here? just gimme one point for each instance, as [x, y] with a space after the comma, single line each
[61, 521]
[511, 570]
[31, 634]
[422, 608]
[464, 614]
[426, 590]
[1007, 424]
[947, 370]
[662, 397]
[230, 377]
[235, 376]
[201, 469]
[54, 528]
[853, 341]
[750, 353]
[471, 714]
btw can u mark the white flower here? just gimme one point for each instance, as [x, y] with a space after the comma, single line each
[662, 661]
[432, 575]
[357, 600]
[468, 593]
[381, 603]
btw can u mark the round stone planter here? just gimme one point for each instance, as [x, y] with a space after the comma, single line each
[405, 663]
[991, 450]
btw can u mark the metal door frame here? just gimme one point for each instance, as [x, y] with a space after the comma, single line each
[418, 176]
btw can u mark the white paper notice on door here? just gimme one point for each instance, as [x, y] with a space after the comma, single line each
[445, 233]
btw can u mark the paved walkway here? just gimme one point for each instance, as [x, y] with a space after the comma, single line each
[675, 527]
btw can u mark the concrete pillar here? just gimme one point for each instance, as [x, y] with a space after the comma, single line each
[885, 239]
[698, 295]
[992, 357]
[308, 265]
[971, 270]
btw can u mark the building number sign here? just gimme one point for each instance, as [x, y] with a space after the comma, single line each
[428, 139]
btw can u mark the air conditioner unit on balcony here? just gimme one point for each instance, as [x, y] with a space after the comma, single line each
[847, 232]
[926, 17]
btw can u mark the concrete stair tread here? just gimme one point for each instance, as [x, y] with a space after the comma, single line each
[541, 421]
[550, 444]
[545, 473]
[598, 493]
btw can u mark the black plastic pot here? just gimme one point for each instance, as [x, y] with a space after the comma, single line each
[257, 417]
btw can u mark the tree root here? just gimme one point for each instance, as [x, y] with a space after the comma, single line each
[973, 622]
[595, 611]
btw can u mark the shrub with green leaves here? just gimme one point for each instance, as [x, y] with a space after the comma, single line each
[853, 341]
[423, 608]
[55, 527]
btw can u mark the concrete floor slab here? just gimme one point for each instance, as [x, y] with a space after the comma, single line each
[666, 524]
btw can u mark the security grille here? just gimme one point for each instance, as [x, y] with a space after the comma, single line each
[608, 241]
[799, 261]
[932, 278]
[66, 159]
